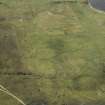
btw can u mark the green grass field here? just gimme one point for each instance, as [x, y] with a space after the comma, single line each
[61, 44]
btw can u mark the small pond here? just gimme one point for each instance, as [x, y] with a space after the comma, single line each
[97, 4]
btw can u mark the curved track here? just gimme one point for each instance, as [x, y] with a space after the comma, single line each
[6, 91]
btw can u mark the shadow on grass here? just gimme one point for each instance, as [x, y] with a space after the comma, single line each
[10, 59]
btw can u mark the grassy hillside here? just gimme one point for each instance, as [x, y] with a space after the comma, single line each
[52, 52]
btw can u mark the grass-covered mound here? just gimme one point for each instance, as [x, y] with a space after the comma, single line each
[52, 52]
